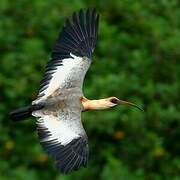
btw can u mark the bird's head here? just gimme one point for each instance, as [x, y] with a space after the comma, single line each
[114, 101]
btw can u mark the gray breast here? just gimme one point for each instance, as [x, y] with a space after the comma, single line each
[64, 100]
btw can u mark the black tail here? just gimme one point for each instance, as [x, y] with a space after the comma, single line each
[24, 112]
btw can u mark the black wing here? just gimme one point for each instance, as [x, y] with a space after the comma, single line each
[78, 35]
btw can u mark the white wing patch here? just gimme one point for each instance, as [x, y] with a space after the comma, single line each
[71, 73]
[59, 77]
[58, 130]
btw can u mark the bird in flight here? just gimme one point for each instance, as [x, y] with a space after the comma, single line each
[60, 101]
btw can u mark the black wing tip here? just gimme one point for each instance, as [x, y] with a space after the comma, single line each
[69, 157]
[79, 34]
[86, 10]
[73, 157]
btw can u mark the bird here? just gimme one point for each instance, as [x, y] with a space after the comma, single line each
[61, 101]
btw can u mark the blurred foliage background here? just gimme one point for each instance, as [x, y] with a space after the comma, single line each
[136, 59]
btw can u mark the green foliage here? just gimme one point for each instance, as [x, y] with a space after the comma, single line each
[136, 59]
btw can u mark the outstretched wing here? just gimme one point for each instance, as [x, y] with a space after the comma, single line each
[63, 137]
[71, 54]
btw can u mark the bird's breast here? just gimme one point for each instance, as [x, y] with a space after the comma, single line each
[64, 99]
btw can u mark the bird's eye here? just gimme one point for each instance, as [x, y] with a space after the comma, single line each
[114, 101]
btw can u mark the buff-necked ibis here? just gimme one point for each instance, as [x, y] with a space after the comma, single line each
[61, 100]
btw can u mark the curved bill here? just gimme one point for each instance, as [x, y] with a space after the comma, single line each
[131, 104]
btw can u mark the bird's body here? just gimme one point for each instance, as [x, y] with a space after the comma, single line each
[61, 101]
